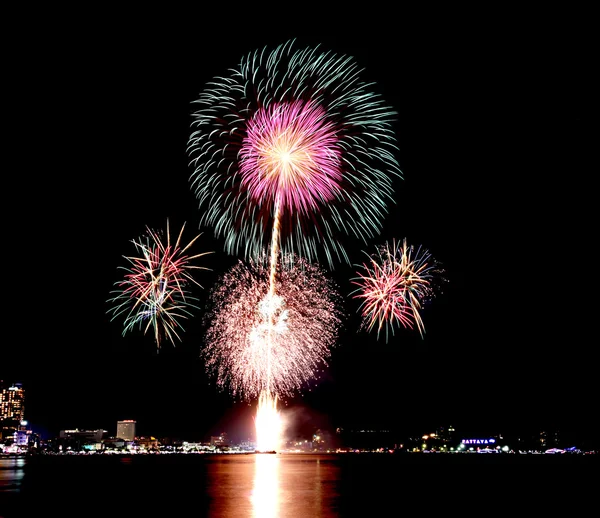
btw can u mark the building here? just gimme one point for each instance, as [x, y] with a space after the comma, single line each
[85, 435]
[219, 441]
[12, 408]
[147, 443]
[126, 430]
[77, 439]
[12, 402]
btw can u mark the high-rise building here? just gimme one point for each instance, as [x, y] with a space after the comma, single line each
[126, 430]
[12, 403]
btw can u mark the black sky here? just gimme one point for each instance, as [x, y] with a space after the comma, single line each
[494, 133]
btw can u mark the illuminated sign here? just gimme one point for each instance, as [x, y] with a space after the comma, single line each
[478, 441]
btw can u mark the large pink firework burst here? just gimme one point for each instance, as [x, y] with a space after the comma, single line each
[155, 290]
[291, 153]
[294, 139]
[265, 338]
[393, 285]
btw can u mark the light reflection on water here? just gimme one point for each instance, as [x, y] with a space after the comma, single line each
[265, 493]
[272, 486]
[287, 485]
[11, 473]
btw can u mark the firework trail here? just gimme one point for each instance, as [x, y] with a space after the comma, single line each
[154, 292]
[292, 150]
[394, 284]
[270, 341]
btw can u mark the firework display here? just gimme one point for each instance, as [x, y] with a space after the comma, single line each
[155, 290]
[393, 286]
[294, 139]
[270, 341]
[292, 156]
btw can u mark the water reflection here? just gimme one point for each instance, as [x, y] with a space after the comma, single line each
[11, 473]
[281, 485]
[273, 485]
[265, 494]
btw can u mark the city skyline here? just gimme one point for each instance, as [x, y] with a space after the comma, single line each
[493, 138]
[235, 435]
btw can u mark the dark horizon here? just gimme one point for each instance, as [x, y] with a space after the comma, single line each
[494, 137]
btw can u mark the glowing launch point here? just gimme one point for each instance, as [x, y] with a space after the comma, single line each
[268, 424]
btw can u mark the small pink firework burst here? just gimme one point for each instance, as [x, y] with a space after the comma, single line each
[154, 292]
[393, 286]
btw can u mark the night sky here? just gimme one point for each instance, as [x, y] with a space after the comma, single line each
[494, 137]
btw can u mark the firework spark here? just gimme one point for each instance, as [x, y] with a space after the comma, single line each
[293, 139]
[270, 341]
[393, 286]
[154, 292]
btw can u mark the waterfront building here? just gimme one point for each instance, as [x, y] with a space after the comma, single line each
[147, 443]
[12, 403]
[126, 430]
[86, 435]
[219, 440]
[12, 409]
[77, 439]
